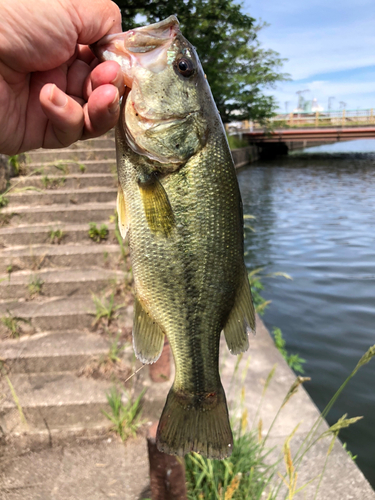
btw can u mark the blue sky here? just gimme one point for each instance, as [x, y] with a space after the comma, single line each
[330, 47]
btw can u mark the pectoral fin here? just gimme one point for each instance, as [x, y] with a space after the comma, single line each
[157, 208]
[123, 222]
[148, 339]
[241, 318]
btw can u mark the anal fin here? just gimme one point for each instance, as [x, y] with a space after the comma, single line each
[148, 339]
[123, 221]
[241, 318]
[156, 205]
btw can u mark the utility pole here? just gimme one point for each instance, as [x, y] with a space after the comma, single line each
[286, 106]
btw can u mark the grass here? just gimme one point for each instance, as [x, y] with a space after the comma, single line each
[35, 286]
[3, 201]
[82, 168]
[98, 234]
[251, 473]
[294, 360]
[105, 309]
[115, 350]
[244, 475]
[17, 164]
[236, 143]
[125, 417]
[12, 324]
[56, 236]
[49, 183]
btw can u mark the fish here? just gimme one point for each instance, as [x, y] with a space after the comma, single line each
[179, 205]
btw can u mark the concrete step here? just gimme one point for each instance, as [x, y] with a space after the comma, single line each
[59, 351]
[79, 155]
[61, 399]
[62, 196]
[70, 181]
[57, 313]
[41, 234]
[56, 282]
[60, 404]
[97, 143]
[64, 168]
[37, 257]
[37, 214]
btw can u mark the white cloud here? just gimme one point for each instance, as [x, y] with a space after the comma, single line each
[313, 51]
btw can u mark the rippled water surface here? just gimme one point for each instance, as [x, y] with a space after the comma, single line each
[315, 220]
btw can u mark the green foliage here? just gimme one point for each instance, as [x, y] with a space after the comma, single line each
[293, 360]
[56, 236]
[237, 67]
[16, 162]
[105, 309]
[49, 183]
[350, 454]
[244, 475]
[82, 168]
[3, 201]
[115, 350]
[236, 143]
[98, 234]
[124, 417]
[12, 324]
[35, 286]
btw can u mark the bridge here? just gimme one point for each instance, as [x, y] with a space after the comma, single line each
[286, 132]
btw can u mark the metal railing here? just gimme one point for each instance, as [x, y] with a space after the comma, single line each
[341, 118]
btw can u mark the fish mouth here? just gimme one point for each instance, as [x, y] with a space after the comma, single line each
[145, 46]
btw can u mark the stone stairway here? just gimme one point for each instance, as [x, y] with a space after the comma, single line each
[49, 269]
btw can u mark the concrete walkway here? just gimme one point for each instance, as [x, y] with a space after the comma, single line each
[106, 468]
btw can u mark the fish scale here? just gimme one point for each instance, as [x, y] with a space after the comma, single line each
[180, 205]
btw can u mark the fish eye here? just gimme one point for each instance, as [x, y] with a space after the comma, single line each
[185, 67]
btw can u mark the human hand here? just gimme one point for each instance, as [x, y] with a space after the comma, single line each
[52, 92]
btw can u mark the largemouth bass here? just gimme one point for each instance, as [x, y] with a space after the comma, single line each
[180, 206]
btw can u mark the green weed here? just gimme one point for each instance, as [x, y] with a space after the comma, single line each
[35, 286]
[236, 142]
[293, 360]
[3, 201]
[9, 271]
[115, 350]
[98, 234]
[12, 324]
[49, 183]
[16, 162]
[126, 418]
[250, 473]
[56, 236]
[82, 168]
[105, 309]
[244, 475]
[62, 167]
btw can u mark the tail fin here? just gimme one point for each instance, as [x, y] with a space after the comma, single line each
[195, 422]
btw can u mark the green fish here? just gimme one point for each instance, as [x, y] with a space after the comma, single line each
[180, 206]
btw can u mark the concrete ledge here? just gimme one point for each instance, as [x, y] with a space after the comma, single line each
[243, 156]
[342, 479]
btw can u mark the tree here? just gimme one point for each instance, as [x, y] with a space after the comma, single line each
[237, 67]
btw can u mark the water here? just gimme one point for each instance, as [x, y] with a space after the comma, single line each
[315, 220]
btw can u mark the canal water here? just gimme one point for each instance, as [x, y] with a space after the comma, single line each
[315, 220]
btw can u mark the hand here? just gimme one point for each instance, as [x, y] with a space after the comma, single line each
[53, 92]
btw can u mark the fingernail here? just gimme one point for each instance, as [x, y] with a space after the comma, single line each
[114, 106]
[57, 97]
